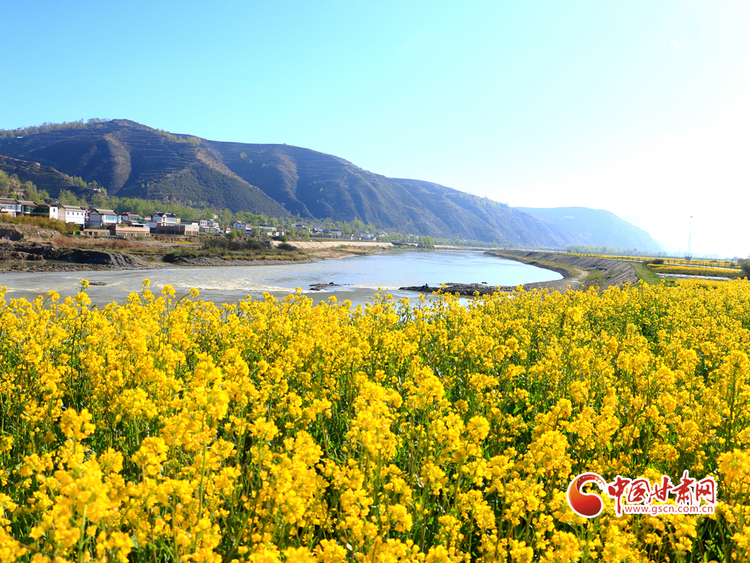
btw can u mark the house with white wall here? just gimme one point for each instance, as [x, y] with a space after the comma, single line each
[72, 214]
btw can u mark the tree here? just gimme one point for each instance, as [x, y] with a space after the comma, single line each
[425, 242]
[67, 197]
[31, 193]
[745, 266]
[100, 201]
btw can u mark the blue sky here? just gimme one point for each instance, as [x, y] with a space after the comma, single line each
[637, 107]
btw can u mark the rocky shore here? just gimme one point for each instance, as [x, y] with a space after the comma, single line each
[33, 256]
[36, 257]
[466, 289]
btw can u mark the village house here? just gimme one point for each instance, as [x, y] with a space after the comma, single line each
[165, 219]
[170, 224]
[208, 226]
[130, 230]
[184, 229]
[26, 206]
[129, 218]
[102, 218]
[10, 206]
[270, 231]
[72, 214]
[46, 210]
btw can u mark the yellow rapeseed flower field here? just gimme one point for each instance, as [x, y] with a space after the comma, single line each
[266, 430]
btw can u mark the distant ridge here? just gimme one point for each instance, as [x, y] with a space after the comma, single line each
[599, 227]
[133, 160]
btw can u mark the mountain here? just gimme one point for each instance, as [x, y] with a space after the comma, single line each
[133, 160]
[318, 185]
[599, 227]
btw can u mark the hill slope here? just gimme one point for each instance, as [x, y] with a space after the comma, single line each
[43, 177]
[132, 160]
[599, 227]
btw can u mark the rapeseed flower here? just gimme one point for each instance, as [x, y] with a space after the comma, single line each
[267, 430]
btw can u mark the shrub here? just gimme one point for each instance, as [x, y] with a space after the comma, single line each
[41, 222]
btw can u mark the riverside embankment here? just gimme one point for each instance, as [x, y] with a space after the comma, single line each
[579, 272]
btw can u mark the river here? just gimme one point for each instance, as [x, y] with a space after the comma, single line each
[357, 277]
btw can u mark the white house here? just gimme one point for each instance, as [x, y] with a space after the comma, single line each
[72, 214]
[165, 219]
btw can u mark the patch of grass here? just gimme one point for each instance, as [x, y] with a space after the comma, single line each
[644, 274]
[596, 278]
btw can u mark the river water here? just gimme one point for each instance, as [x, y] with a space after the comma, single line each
[358, 277]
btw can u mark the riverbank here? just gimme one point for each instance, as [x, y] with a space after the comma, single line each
[29, 249]
[579, 272]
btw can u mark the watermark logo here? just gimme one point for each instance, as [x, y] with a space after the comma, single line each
[640, 496]
[588, 505]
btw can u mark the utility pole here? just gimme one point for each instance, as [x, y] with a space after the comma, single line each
[689, 254]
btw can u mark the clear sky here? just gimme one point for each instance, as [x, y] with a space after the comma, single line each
[639, 107]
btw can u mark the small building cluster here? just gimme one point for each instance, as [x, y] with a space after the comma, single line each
[98, 221]
[104, 222]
